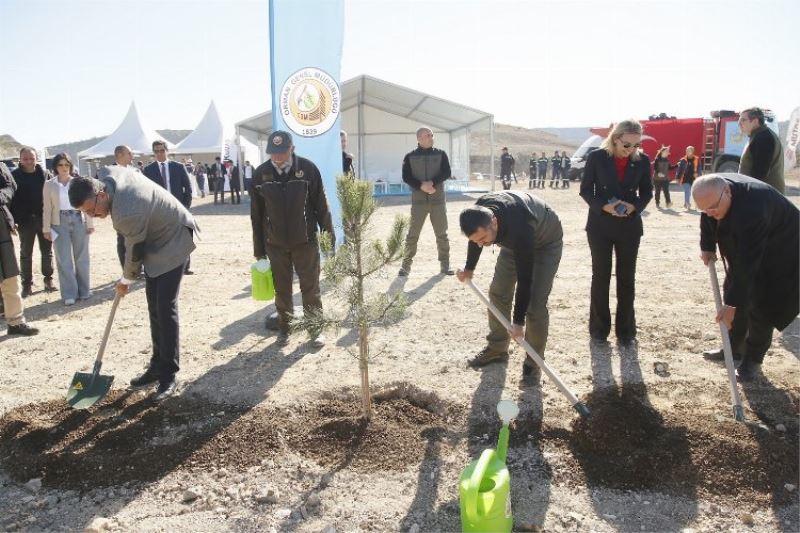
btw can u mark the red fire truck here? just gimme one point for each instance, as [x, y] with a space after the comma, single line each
[717, 140]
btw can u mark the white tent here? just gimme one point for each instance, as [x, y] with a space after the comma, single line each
[207, 138]
[381, 120]
[131, 132]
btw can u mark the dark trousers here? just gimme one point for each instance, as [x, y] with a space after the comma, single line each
[751, 334]
[303, 259]
[28, 232]
[662, 186]
[121, 249]
[236, 194]
[626, 250]
[162, 304]
[219, 188]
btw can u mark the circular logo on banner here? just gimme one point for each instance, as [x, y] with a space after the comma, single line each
[310, 102]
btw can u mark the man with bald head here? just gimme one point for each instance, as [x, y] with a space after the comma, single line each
[425, 171]
[27, 208]
[757, 231]
[123, 157]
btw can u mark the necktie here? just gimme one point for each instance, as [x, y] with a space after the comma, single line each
[164, 176]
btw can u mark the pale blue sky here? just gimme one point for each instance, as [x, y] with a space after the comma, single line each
[71, 67]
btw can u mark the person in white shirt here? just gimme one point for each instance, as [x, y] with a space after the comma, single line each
[68, 229]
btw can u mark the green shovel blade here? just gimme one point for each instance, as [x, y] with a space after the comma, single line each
[88, 389]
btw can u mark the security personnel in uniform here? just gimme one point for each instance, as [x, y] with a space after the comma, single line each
[532, 172]
[507, 168]
[565, 166]
[542, 169]
[556, 170]
[288, 206]
[425, 170]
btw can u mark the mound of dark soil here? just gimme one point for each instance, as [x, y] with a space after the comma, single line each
[627, 444]
[128, 438]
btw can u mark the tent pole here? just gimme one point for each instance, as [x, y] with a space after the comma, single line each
[362, 171]
[468, 142]
[491, 149]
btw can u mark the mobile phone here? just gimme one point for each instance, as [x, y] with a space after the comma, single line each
[619, 208]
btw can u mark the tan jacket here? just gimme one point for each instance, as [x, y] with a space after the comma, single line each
[51, 214]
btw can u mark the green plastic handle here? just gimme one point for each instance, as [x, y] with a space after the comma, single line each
[475, 483]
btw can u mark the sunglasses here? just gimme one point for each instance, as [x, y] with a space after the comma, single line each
[628, 145]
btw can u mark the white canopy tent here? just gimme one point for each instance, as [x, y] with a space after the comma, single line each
[381, 120]
[132, 132]
[207, 138]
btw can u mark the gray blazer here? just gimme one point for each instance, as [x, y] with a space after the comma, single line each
[157, 228]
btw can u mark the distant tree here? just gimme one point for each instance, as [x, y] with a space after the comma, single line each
[349, 268]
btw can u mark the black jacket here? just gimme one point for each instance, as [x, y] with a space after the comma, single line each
[425, 164]
[524, 223]
[179, 184]
[8, 257]
[506, 164]
[286, 210]
[600, 184]
[758, 240]
[28, 201]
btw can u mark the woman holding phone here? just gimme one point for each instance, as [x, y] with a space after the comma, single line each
[617, 186]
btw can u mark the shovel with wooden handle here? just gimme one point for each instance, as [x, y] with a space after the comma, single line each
[88, 389]
[738, 412]
[576, 404]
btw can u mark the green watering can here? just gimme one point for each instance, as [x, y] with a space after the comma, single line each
[485, 486]
[261, 281]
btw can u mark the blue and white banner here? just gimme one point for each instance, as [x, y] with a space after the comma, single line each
[305, 39]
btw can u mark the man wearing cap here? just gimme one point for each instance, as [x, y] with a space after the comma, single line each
[288, 207]
[425, 171]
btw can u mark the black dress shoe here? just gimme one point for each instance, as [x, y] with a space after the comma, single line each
[272, 322]
[627, 342]
[166, 390]
[145, 380]
[22, 329]
[748, 371]
[719, 355]
[531, 375]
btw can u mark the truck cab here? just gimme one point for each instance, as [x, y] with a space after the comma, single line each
[578, 159]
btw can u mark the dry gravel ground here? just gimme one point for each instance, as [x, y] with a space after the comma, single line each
[263, 438]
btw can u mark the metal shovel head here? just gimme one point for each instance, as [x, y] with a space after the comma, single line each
[87, 389]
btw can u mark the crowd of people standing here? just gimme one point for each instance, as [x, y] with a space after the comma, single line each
[745, 217]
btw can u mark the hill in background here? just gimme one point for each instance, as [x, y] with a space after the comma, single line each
[521, 143]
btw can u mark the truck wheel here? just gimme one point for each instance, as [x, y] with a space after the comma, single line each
[728, 166]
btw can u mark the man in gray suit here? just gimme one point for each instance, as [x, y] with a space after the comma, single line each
[158, 232]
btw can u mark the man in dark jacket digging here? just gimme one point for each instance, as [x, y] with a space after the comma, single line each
[288, 206]
[757, 230]
[529, 234]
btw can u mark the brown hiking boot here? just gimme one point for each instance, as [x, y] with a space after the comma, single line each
[487, 356]
[27, 290]
[48, 286]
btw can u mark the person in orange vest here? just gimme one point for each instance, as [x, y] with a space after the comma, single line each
[688, 171]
